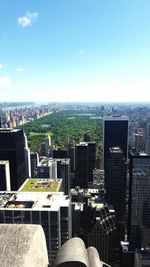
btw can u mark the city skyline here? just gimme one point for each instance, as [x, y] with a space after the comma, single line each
[74, 51]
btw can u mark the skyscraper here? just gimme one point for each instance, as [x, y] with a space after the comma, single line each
[85, 163]
[71, 154]
[139, 201]
[4, 175]
[115, 134]
[81, 165]
[27, 158]
[91, 160]
[115, 154]
[12, 144]
[34, 158]
[116, 184]
[63, 171]
[147, 138]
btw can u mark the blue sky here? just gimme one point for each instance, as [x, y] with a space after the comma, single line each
[74, 50]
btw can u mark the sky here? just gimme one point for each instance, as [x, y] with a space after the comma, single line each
[75, 50]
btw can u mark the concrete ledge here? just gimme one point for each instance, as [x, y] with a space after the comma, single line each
[74, 254]
[94, 259]
[22, 245]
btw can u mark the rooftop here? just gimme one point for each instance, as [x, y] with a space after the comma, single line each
[115, 149]
[9, 130]
[3, 162]
[116, 118]
[41, 185]
[33, 200]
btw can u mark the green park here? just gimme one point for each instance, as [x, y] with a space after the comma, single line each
[64, 126]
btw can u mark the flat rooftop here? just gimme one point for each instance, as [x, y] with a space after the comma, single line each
[41, 185]
[51, 201]
[115, 149]
[116, 118]
[47, 161]
[9, 130]
[4, 162]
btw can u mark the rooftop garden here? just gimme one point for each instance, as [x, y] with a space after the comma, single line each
[41, 185]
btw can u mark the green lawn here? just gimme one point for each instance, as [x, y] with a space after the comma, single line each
[33, 185]
[37, 134]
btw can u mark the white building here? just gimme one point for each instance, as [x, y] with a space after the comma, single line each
[51, 210]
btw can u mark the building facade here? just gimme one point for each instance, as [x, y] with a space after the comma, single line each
[4, 175]
[34, 159]
[147, 138]
[115, 134]
[139, 201]
[116, 187]
[51, 210]
[12, 144]
[85, 158]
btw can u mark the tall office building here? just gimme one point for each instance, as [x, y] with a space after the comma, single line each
[139, 142]
[85, 163]
[139, 201]
[12, 144]
[47, 168]
[51, 210]
[87, 136]
[34, 159]
[115, 134]
[46, 147]
[27, 158]
[71, 154]
[147, 138]
[63, 172]
[91, 160]
[99, 230]
[81, 165]
[116, 184]
[4, 175]
[94, 222]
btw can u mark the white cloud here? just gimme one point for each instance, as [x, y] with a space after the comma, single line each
[5, 80]
[82, 51]
[27, 19]
[1, 66]
[19, 69]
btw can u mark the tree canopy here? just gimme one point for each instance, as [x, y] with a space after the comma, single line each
[63, 126]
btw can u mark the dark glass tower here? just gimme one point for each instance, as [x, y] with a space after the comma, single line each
[91, 160]
[12, 144]
[4, 176]
[81, 165]
[115, 134]
[34, 158]
[63, 171]
[139, 201]
[116, 177]
[85, 163]
[115, 149]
